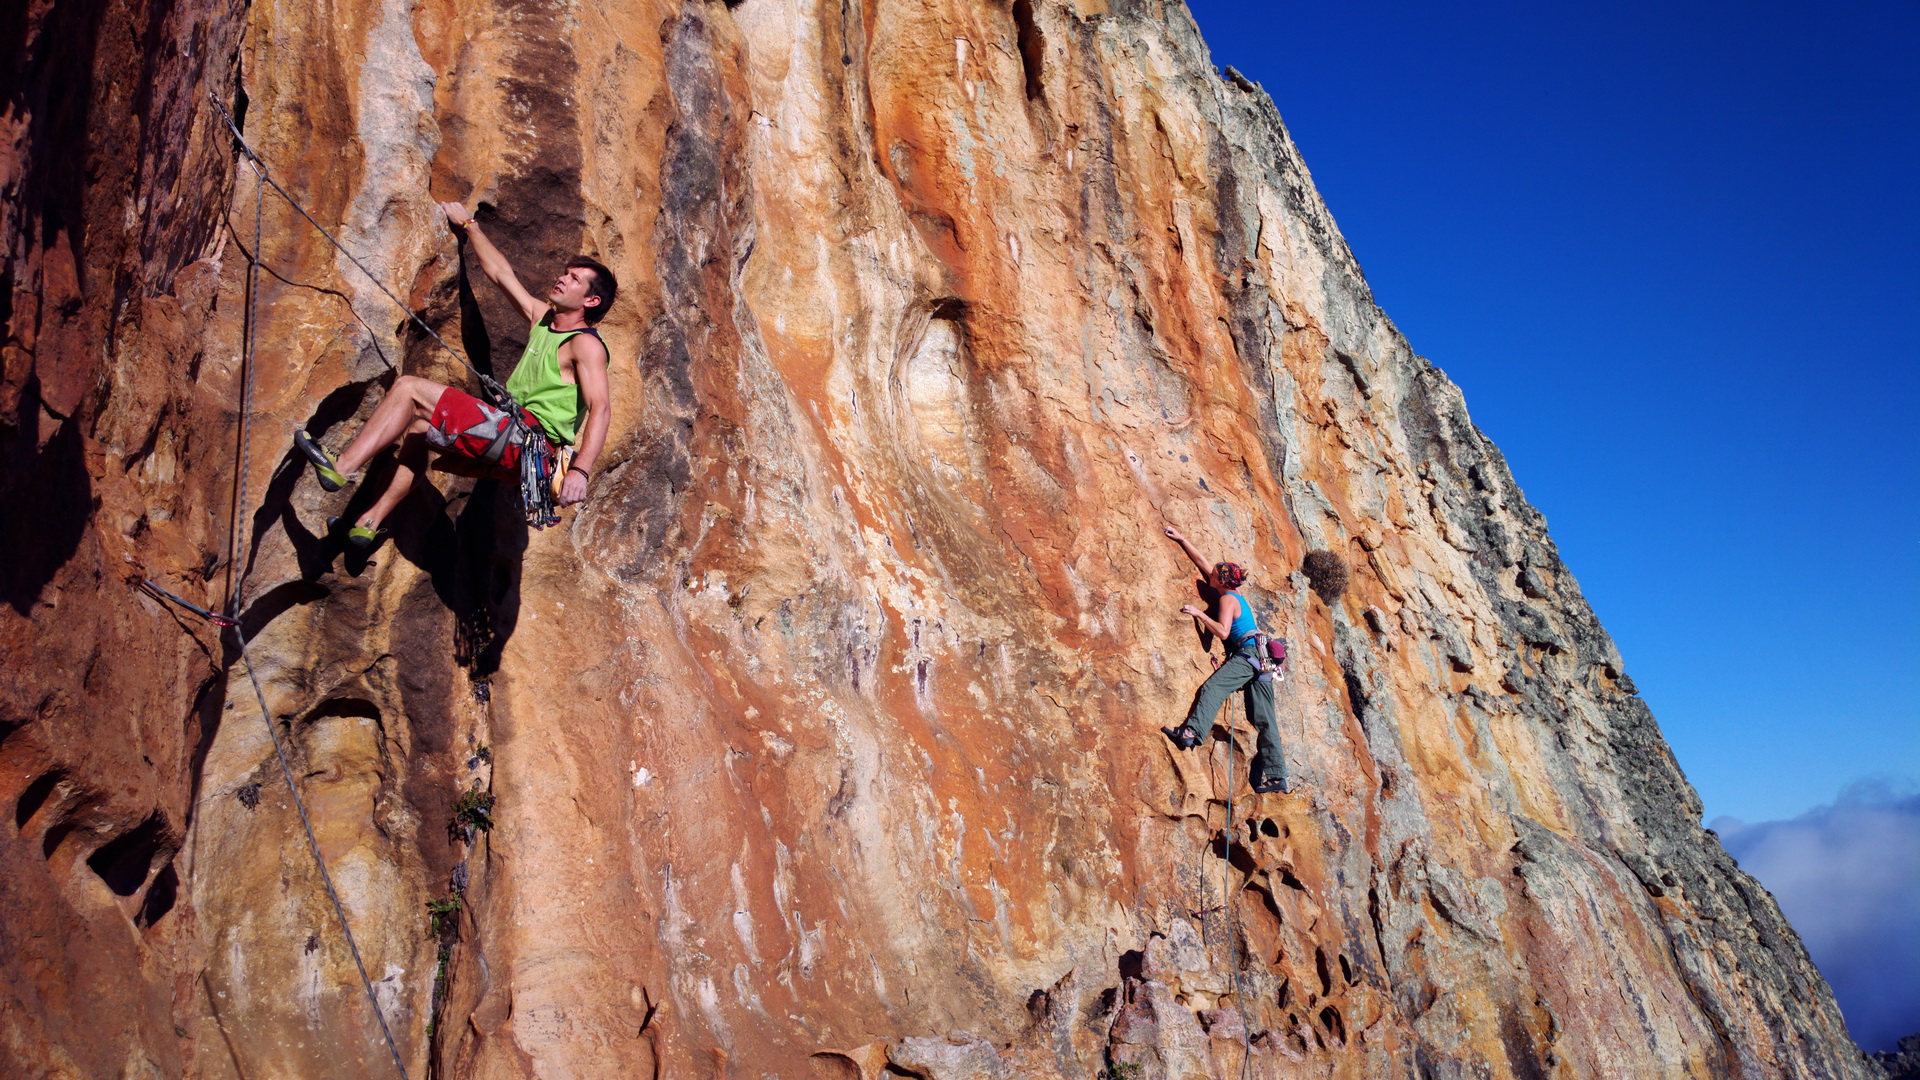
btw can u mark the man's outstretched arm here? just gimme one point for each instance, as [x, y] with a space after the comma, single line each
[590, 371]
[493, 264]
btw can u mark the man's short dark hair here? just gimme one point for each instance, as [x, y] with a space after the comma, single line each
[604, 286]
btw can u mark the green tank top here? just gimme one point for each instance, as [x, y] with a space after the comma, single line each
[536, 383]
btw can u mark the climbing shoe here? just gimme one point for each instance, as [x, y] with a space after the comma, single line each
[1182, 736]
[358, 537]
[1271, 785]
[330, 478]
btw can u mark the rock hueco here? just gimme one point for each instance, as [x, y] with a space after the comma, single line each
[823, 739]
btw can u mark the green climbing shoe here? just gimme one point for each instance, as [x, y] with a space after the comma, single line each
[363, 539]
[358, 537]
[330, 478]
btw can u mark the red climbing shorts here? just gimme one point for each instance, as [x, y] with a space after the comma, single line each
[464, 428]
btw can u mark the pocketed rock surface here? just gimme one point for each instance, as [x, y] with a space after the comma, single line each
[823, 739]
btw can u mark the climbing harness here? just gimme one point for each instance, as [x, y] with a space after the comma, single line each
[536, 493]
[1267, 654]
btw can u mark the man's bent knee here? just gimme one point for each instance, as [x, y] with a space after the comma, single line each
[424, 393]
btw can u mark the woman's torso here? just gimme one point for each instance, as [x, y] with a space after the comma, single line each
[1243, 624]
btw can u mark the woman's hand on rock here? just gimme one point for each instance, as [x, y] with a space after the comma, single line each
[1174, 534]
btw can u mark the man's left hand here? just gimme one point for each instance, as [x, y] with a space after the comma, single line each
[573, 489]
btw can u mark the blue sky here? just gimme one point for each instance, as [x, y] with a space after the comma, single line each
[1669, 252]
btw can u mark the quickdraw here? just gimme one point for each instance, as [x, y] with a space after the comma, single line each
[537, 467]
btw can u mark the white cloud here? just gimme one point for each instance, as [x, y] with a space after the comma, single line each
[1848, 878]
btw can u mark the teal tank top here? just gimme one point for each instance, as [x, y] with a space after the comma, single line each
[1243, 624]
[536, 383]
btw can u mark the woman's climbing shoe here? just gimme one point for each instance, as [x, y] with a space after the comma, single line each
[330, 478]
[1182, 736]
[1270, 785]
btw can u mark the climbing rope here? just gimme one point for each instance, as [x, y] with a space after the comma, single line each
[153, 587]
[238, 569]
[313, 845]
[1226, 906]
[286, 770]
[260, 166]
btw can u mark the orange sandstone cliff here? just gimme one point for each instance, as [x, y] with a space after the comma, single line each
[823, 739]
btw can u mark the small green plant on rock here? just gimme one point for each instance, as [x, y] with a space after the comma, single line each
[472, 811]
[443, 914]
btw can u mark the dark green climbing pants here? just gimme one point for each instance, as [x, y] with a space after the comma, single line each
[1238, 673]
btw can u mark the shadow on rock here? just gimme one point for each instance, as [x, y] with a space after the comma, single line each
[473, 556]
[48, 496]
[314, 552]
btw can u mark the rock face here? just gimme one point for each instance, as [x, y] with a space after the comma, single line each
[1900, 1064]
[823, 739]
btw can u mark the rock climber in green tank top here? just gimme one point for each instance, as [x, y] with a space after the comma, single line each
[560, 382]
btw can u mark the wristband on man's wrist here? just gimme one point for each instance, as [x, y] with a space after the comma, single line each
[581, 471]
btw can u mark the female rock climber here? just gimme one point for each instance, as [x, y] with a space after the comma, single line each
[1231, 622]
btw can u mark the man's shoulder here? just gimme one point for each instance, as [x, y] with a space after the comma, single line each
[576, 338]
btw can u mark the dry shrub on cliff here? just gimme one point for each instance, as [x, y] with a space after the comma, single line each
[1327, 573]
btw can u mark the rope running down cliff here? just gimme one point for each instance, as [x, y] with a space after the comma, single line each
[1226, 907]
[1226, 901]
[239, 573]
